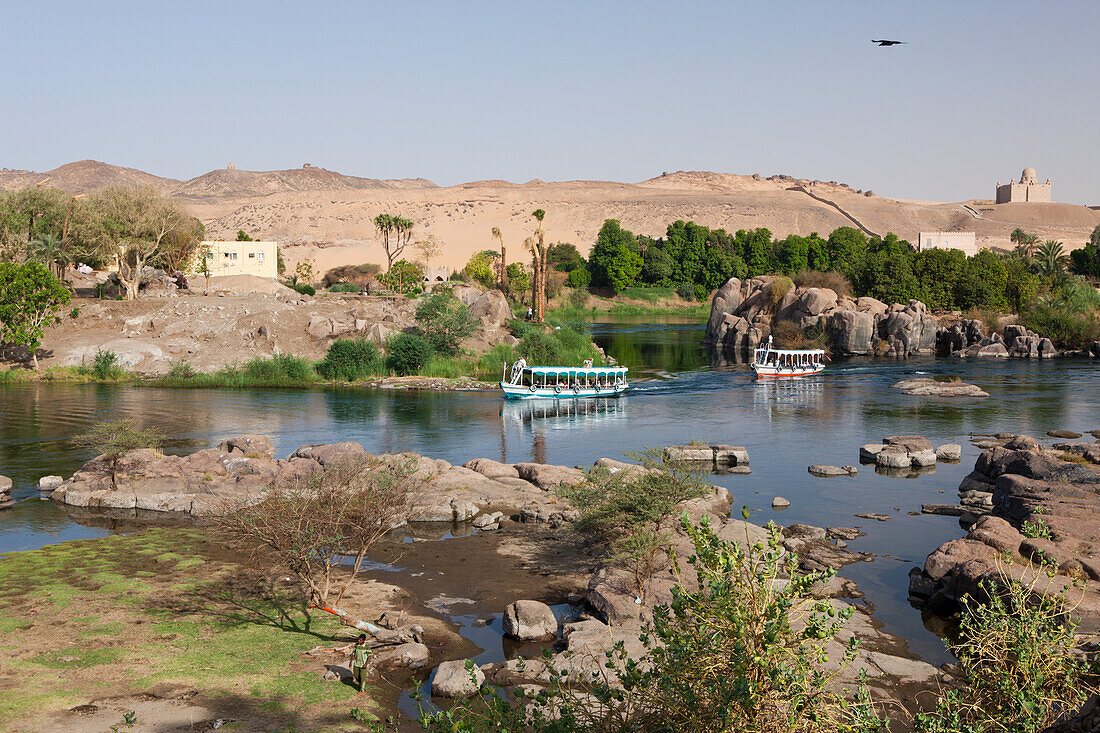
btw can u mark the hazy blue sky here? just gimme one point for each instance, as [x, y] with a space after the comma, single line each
[459, 91]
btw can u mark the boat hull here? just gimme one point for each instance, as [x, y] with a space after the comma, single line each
[521, 392]
[771, 372]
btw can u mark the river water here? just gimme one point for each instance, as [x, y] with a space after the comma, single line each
[678, 396]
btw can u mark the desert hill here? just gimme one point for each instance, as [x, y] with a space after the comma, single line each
[233, 183]
[326, 216]
[84, 176]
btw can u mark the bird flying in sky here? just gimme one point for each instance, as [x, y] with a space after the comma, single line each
[887, 43]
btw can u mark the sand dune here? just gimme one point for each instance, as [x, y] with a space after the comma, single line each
[327, 217]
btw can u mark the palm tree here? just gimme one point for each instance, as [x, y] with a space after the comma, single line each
[48, 250]
[1049, 259]
[1025, 243]
[537, 245]
[503, 263]
[385, 224]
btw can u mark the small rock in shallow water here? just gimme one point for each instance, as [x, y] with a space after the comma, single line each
[831, 471]
[843, 533]
[876, 517]
[1063, 434]
[780, 503]
[949, 452]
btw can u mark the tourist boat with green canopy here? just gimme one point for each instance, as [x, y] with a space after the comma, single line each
[561, 382]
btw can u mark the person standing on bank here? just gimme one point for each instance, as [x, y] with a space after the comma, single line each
[359, 655]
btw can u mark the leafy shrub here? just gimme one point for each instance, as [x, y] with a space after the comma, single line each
[350, 359]
[105, 365]
[831, 279]
[743, 652]
[518, 279]
[700, 291]
[1020, 670]
[482, 267]
[344, 288]
[686, 292]
[579, 278]
[445, 321]
[788, 335]
[541, 349]
[1069, 315]
[406, 353]
[404, 277]
[302, 288]
[181, 370]
[280, 368]
[579, 297]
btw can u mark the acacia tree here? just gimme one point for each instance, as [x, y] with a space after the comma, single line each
[30, 297]
[429, 248]
[311, 527]
[113, 439]
[132, 225]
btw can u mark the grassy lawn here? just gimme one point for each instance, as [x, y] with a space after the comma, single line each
[162, 607]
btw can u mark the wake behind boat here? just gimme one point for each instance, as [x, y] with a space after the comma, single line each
[769, 363]
[526, 381]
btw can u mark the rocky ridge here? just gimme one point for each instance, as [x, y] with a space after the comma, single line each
[1041, 530]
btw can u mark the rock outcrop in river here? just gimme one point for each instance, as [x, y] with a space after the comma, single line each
[1044, 531]
[243, 468]
[744, 313]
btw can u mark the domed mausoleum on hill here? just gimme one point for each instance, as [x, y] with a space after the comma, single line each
[1027, 190]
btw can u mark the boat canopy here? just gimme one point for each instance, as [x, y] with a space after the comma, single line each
[787, 352]
[574, 370]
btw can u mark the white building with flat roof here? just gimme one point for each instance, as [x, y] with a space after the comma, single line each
[240, 258]
[963, 241]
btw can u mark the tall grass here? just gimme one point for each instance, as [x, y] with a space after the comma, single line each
[281, 370]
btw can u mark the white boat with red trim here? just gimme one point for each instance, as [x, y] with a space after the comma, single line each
[770, 363]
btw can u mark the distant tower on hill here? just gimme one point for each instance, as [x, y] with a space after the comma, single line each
[231, 167]
[1027, 190]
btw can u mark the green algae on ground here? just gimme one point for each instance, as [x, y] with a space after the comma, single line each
[159, 606]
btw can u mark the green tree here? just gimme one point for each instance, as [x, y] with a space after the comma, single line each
[1021, 285]
[482, 267]
[30, 298]
[889, 277]
[517, 280]
[846, 248]
[1086, 261]
[113, 439]
[939, 271]
[445, 321]
[242, 236]
[27, 214]
[657, 266]
[983, 284]
[614, 260]
[564, 257]
[404, 277]
[133, 226]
